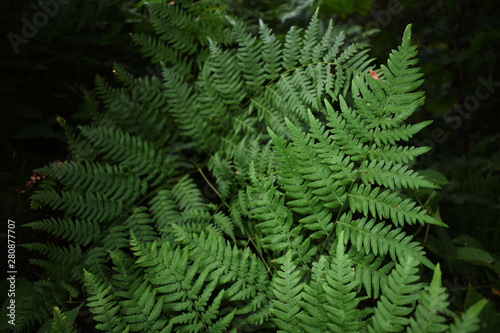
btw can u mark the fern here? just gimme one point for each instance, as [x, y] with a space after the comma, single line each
[396, 303]
[286, 288]
[257, 185]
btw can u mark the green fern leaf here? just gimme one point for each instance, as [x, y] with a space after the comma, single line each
[287, 290]
[380, 239]
[271, 52]
[103, 305]
[293, 45]
[469, 321]
[399, 294]
[368, 271]
[81, 232]
[388, 205]
[433, 302]
[61, 323]
[341, 297]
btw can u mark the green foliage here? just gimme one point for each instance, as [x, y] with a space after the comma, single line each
[308, 190]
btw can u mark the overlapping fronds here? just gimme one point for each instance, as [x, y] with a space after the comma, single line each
[256, 183]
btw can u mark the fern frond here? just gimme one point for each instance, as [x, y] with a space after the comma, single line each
[187, 196]
[469, 321]
[96, 262]
[180, 286]
[224, 223]
[271, 52]
[318, 217]
[109, 180]
[388, 205]
[287, 290]
[314, 317]
[163, 209]
[223, 174]
[82, 149]
[61, 323]
[133, 153]
[428, 316]
[399, 295]
[141, 224]
[292, 47]
[84, 206]
[340, 294]
[353, 60]
[277, 227]
[78, 231]
[381, 239]
[175, 25]
[310, 41]
[226, 75]
[103, 304]
[57, 253]
[392, 176]
[228, 264]
[337, 309]
[249, 58]
[140, 307]
[396, 154]
[162, 53]
[308, 218]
